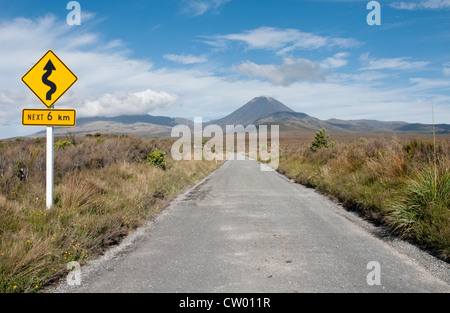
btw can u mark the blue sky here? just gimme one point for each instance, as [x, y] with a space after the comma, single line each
[209, 57]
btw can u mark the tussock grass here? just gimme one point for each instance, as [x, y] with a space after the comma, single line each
[388, 180]
[422, 210]
[103, 191]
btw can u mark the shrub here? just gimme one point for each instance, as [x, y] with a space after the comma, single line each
[157, 158]
[97, 134]
[63, 144]
[320, 141]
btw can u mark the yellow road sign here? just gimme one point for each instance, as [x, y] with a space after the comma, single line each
[49, 118]
[49, 79]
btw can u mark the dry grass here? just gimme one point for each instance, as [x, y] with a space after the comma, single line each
[103, 191]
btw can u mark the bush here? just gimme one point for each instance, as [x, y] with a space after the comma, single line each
[63, 144]
[320, 141]
[157, 158]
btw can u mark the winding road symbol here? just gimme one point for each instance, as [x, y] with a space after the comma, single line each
[49, 68]
[49, 79]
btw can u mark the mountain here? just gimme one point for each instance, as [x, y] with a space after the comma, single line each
[251, 112]
[138, 125]
[259, 111]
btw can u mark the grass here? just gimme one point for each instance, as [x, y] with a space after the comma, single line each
[422, 212]
[403, 183]
[103, 190]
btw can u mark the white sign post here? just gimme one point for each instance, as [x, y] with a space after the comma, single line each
[50, 161]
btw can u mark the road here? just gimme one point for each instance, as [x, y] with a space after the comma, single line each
[244, 230]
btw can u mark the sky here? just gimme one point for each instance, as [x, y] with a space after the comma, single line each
[207, 58]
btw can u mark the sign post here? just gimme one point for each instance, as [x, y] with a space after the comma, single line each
[49, 79]
[50, 167]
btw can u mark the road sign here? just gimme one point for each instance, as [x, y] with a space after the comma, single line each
[49, 118]
[49, 79]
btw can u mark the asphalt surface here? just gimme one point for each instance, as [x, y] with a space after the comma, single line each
[245, 230]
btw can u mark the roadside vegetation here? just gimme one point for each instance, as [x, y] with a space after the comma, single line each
[403, 183]
[105, 186]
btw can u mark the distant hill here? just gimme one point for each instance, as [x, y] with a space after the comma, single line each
[371, 126]
[132, 119]
[425, 128]
[138, 125]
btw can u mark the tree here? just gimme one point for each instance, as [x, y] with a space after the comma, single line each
[320, 141]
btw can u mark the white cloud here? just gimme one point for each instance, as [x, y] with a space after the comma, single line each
[336, 61]
[402, 63]
[374, 77]
[421, 5]
[200, 7]
[427, 84]
[283, 40]
[185, 59]
[292, 70]
[134, 103]
[446, 69]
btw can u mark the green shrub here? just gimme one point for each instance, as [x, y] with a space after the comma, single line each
[320, 141]
[97, 134]
[157, 158]
[63, 144]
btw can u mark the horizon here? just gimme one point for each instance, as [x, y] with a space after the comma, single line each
[209, 57]
[212, 119]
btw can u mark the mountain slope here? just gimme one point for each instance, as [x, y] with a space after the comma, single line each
[300, 119]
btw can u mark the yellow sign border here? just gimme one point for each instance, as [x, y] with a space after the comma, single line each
[49, 111]
[53, 102]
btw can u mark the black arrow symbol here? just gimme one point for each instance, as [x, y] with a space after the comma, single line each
[49, 68]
